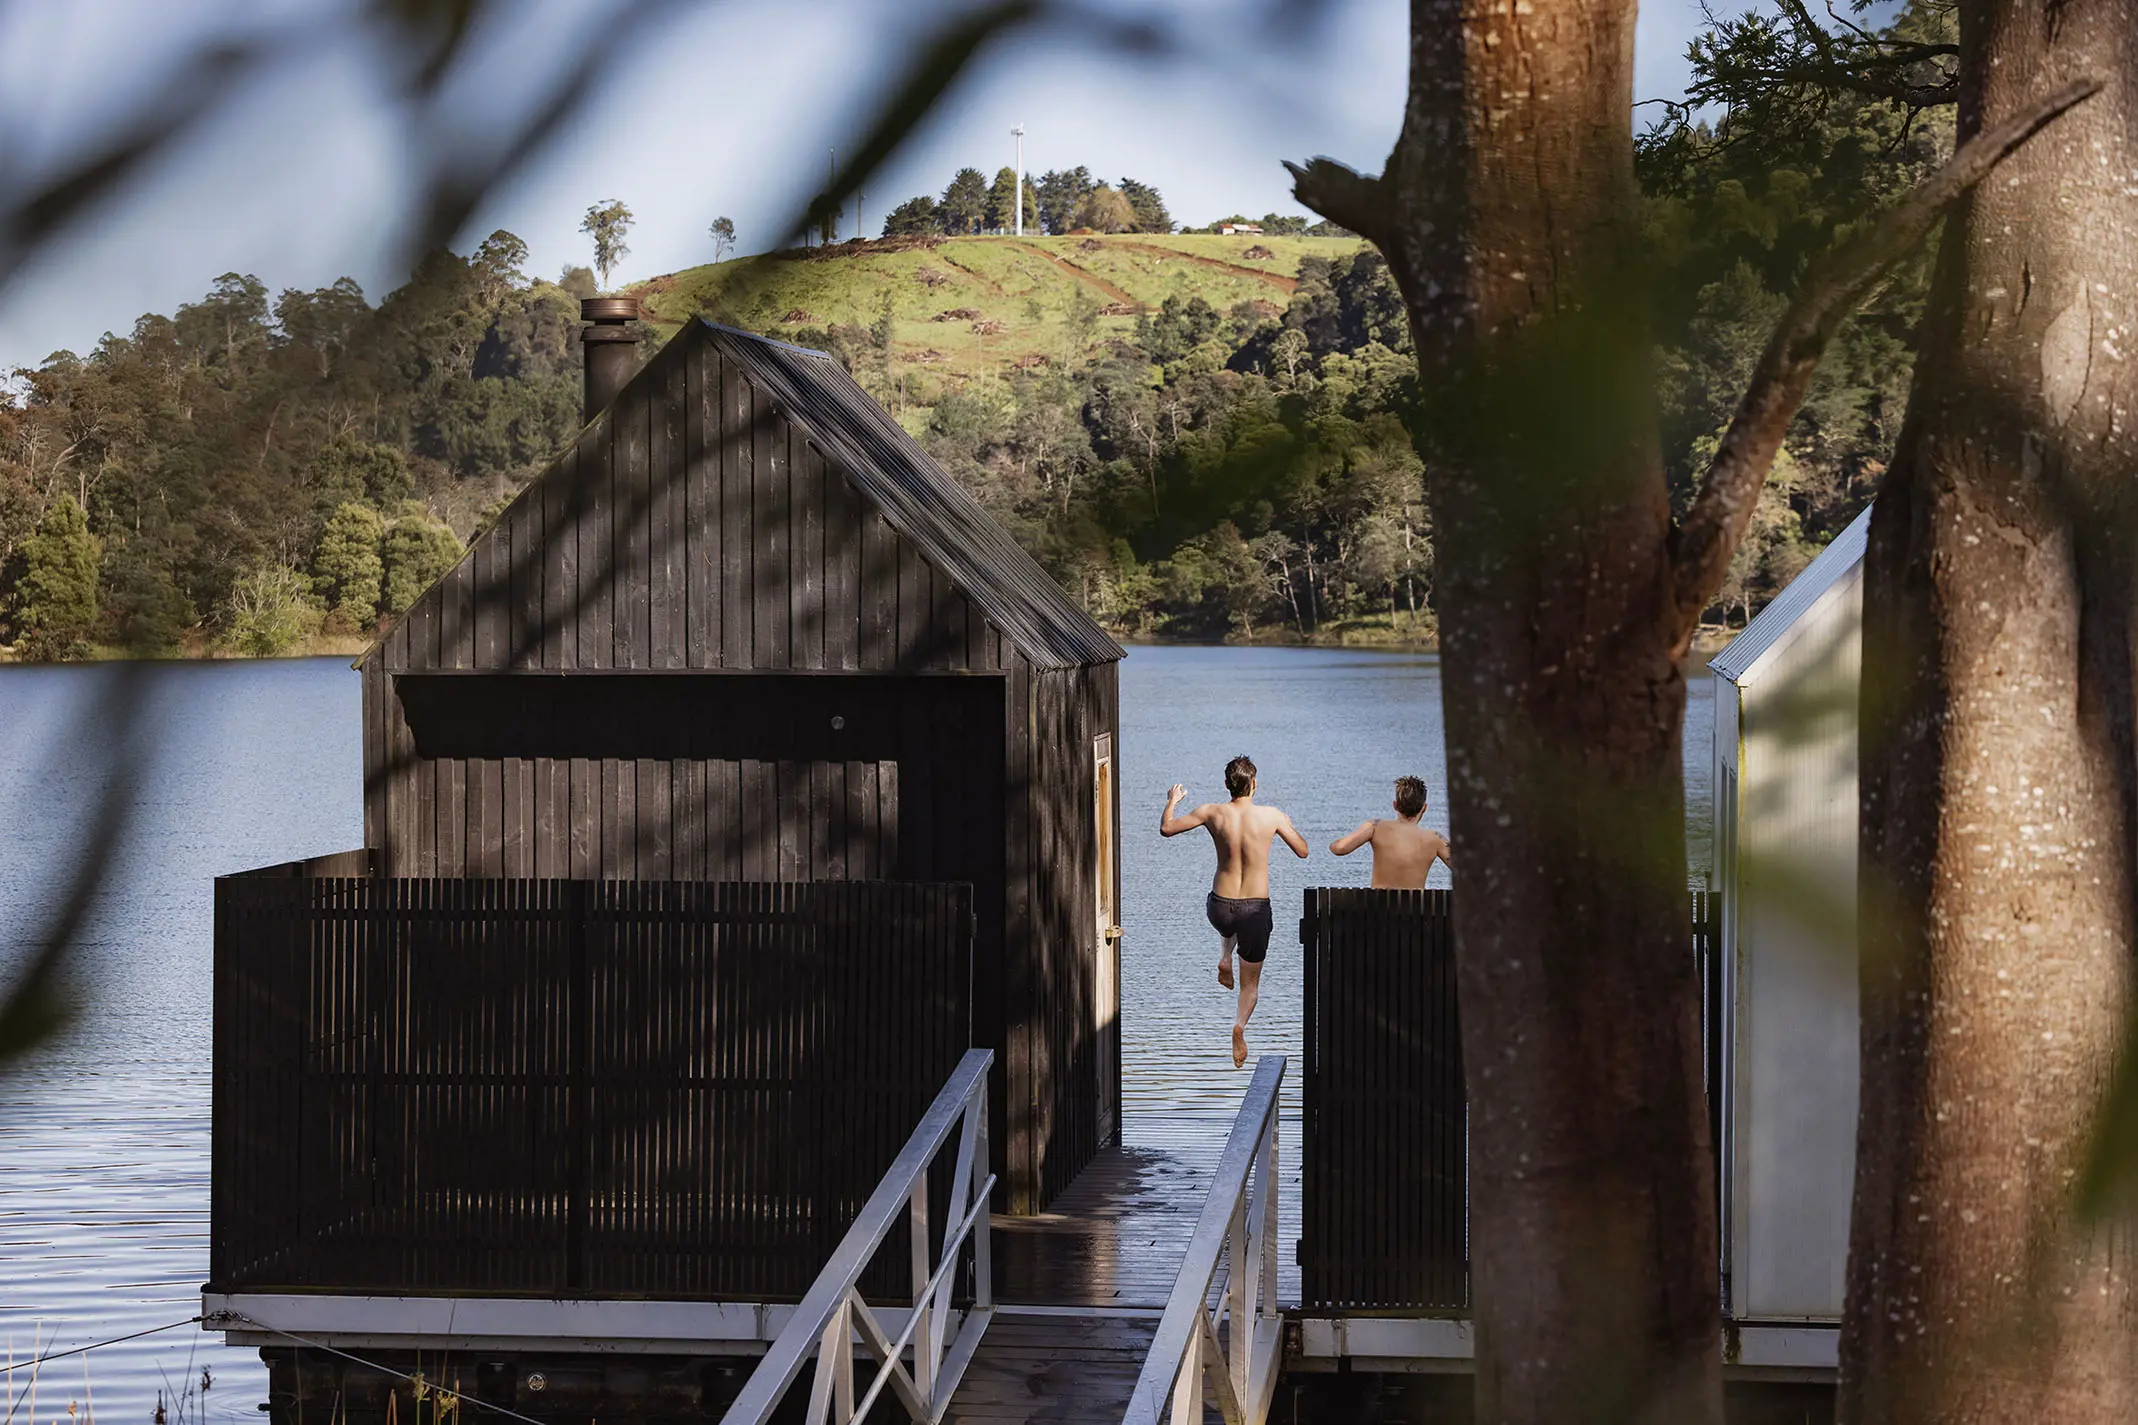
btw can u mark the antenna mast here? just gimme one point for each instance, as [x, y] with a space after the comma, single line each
[1018, 134]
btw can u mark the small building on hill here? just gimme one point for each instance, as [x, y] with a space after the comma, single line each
[1785, 866]
[746, 630]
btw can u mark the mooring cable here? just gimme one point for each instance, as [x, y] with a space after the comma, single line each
[14, 1366]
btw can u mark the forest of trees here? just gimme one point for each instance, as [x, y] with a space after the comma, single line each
[1055, 202]
[252, 470]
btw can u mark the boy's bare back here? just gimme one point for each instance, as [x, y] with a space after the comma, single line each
[1404, 853]
[1242, 832]
[1404, 849]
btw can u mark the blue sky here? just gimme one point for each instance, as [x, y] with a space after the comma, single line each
[729, 106]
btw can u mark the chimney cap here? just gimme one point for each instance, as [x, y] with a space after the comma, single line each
[608, 309]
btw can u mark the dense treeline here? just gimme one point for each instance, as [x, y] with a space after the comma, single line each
[1735, 222]
[249, 471]
[1058, 201]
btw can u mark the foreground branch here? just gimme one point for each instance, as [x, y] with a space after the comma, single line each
[1830, 291]
[1343, 195]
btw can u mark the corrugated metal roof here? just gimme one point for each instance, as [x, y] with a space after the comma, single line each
[921, 501]
[1779, 619]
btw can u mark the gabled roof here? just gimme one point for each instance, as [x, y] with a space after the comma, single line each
[1835, 568]
[921, 500]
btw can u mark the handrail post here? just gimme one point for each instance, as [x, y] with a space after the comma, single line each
[1240, 1291]
[983, 1256]
[1272, 1226]
[1188, 1385]
[924, 1357]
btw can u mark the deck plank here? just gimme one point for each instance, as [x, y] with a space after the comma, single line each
[1068, 1369]
[1117, 1235]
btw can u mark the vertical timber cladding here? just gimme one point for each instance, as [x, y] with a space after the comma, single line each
[730, 514]
[1055, 715]
[607, 1089]
[1384, 1162]
[1384, 1151]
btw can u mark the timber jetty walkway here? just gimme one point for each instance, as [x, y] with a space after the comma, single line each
[1152, 1285]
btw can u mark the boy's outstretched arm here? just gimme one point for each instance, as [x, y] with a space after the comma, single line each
[1292, 838]
[1171, 825]
[1345, 845]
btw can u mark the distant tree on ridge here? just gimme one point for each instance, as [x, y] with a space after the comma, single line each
[963, 206]
[916, 217]
[1104, 210]
[1059, 193]
[606, 223]
[1150, 208]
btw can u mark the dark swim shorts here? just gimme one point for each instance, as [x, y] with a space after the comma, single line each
[1247, 921]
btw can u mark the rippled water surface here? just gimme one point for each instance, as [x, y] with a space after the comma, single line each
[1330, 730]
[104, 1137]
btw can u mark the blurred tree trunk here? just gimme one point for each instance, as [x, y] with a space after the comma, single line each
[1998, 773]
[1509, 214]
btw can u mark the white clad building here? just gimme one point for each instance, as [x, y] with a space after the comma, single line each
[1785, 864]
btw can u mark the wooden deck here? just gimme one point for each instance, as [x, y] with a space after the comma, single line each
[1114, 1241]
[1081, 1286]
[1052, 1368]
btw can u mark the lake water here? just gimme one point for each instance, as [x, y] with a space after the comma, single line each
[104, 1135]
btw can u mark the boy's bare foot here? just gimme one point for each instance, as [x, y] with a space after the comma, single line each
[1239, 1045]
[1224, 973]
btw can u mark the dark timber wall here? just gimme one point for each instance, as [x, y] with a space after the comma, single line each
[717, 641]
[569, 1088]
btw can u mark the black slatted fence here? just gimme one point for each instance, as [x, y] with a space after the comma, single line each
[1384, 1167]
[1385, 1172]
[569, 1088]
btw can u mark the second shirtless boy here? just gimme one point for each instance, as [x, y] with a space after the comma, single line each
[1403, 851]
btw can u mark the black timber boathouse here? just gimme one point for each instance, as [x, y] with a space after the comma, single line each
[746, 630]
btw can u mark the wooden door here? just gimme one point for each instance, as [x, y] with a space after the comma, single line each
[1106, 942]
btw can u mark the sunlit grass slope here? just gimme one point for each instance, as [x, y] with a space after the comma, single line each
[982, 304]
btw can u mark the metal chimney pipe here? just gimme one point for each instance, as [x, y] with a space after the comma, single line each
[606, 340]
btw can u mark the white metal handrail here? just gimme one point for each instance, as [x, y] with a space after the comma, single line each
[832, 1314]
[1236, 1234]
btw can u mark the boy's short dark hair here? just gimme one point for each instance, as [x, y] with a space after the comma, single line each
[1410, 795]
[1240, 776]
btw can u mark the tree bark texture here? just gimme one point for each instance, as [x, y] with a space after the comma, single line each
[1508, 214]
[1996, 896]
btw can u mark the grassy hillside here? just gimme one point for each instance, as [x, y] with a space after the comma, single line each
[965, 306]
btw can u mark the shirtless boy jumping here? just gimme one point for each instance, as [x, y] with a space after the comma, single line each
[1239, 894]
[1403, 851]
